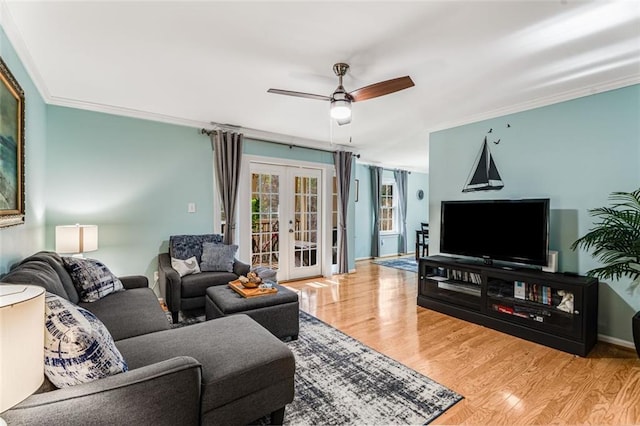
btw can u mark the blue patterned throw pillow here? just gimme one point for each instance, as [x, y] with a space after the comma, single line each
[218, 257]
[91, 278]
[78, 347]
[186, 246]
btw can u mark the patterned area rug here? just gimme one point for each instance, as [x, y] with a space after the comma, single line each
[404, 263]
[187, 318]
[340, 381]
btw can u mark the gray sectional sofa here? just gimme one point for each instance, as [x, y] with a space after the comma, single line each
[228, 371]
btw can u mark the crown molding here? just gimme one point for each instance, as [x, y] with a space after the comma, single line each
[17, 41]
[125, 112]
[541, 102]
[256, 134]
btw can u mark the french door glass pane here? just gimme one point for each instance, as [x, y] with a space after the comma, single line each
[265, 233]
[306, 221]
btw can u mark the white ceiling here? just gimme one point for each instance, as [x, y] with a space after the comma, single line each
[199, 62]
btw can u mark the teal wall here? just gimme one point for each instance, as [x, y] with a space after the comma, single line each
[277, 150]
[16, 242]
[362, 231]
[575, 153]
[417, 211]
[133, 178]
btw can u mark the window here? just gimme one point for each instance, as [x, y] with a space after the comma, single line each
[387, 207]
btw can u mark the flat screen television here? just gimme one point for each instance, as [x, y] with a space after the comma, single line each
[505, 230]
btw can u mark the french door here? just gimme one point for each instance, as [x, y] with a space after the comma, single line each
[286, 219]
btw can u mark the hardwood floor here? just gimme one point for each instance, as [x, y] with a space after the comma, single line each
[504, 380]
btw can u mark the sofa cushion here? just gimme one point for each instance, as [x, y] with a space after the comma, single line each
[37, 272]
[218, 257]
[186, 266]
[92, 278]
[130, 313]
[196, 285]
[78, 348]
[238, 356]
[55, 261]
[186, 246]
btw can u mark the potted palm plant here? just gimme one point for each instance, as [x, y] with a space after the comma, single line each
[615, 241]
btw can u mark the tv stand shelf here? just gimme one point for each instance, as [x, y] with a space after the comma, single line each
[556, 310]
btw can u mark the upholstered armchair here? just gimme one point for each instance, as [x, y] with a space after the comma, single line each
[183, 282]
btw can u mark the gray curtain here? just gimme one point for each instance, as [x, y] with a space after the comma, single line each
[227, 149]
[376, 182]
[401, 184]
[343, 161]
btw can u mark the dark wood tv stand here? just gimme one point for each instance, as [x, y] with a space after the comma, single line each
[526, 303]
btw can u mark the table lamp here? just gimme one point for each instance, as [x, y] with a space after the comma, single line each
[21, 343]
[76, 239]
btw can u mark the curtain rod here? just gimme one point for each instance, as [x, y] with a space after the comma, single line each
[290, 145]
[385, 168]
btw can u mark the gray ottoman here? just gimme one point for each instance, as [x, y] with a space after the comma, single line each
[278, 312]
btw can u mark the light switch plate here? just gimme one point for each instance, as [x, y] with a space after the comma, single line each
[191, 208]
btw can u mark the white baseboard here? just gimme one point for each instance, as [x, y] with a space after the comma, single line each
[616, 341]
[386, 256]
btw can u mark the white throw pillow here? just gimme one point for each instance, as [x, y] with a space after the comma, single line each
[185, 267]
[78, 348]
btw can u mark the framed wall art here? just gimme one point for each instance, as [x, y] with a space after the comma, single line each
[11, 149]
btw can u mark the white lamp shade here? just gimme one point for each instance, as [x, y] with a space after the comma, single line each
[76, 238]
[340, 109]
[21, 342]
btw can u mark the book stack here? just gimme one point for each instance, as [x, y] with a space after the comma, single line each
[541, 294]
[470, 277]
[538, 293]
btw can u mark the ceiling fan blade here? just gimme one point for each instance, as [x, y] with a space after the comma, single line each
[382, 88]
[300, 94]
[343, 121]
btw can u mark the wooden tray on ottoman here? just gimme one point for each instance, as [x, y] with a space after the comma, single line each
[250, 292]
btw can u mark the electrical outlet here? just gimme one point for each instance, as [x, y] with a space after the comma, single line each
[191, 208]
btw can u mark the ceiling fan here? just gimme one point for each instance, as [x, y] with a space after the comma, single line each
[341, 99]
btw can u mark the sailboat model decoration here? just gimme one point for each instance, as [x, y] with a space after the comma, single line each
[484, 174]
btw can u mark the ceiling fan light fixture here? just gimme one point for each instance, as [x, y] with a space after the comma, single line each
[340, 109]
